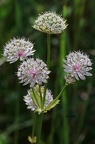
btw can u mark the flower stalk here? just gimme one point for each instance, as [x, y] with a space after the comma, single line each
[48, 49]
[39, 127]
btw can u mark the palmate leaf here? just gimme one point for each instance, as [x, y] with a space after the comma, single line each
[2, 60]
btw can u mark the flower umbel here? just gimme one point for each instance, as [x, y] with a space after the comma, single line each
[77, 66]
[35, 102]
[33, 72]
[18, 49]
[50, 22]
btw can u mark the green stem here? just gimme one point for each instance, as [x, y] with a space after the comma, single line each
[41, 98]
[34, 121]
[61, 91]
[39, 127]
[48, 63]
[50, 139]
[48, 50]
[44, 94]
[57, 98]
[64, 136]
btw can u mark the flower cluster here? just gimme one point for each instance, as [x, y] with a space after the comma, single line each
[33, 72]
[18, 49]
[77, 66]
[35, 103]
[50, 22]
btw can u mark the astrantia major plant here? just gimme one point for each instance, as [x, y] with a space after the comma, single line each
[35, 72]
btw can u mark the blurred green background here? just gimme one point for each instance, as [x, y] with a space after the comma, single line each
[73, 120]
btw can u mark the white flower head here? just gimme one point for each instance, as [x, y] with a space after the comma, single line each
[50, 22]
[18, 49]
[36, 105]
[33, 72]
[77, 66]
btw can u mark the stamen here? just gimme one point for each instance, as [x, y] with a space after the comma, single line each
[33, 73]
[76, 67]
[20, 53]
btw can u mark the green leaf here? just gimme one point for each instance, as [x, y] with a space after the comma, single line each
[2, 60]
[51, 105]
[36, 98]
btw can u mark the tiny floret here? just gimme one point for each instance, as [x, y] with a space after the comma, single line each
[34, 102]
[69, 79]
[77, 66]
[18, 49]
[33, 72]
[50, 22]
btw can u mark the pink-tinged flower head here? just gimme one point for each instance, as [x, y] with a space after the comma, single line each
[77, 65]
[33, 72]
[18, 49]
